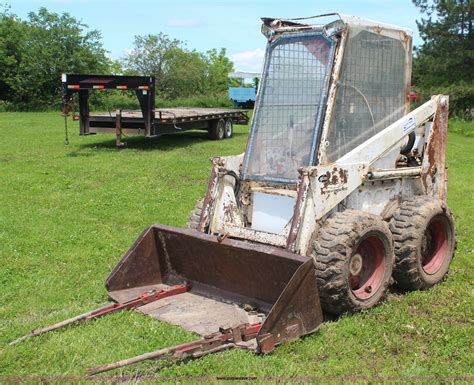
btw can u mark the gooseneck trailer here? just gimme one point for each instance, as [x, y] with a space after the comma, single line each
[148, 120]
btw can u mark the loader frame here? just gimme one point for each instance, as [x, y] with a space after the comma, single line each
[327, 186]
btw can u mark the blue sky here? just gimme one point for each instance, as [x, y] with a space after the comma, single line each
[207, 24]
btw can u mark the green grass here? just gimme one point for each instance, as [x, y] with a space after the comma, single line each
[462, 127]
[68, 213]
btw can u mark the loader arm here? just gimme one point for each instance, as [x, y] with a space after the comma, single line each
[337, 180]
[324, 187]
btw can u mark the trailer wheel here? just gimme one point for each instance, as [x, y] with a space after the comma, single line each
[229, 128]
[354, 258]
[195, 215]
[423, 231]
[217, 130]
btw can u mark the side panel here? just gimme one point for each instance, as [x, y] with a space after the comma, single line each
[371, 88]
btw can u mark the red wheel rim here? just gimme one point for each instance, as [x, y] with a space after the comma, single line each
[434, 246]
[367, 268]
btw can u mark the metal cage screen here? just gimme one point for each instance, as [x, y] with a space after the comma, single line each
[371, 90]
[288, 112]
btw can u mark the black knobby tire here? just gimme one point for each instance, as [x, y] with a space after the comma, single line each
[354, 258]
[423, 232]
[228, 128]
[217, 129]
[195, 215]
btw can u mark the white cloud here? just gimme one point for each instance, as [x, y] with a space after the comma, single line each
[184, 23]
[250, 61]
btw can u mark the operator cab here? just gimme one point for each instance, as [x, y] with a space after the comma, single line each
[294, 102]
[338, 84]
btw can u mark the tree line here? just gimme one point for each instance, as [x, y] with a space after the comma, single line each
[35, 51]
[444, 63]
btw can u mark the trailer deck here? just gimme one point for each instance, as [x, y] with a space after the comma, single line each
[166, 121]
[148, 121]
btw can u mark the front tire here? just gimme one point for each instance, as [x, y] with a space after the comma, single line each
[354, 259]
[423, 231]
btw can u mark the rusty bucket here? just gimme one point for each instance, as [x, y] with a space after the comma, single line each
[231, 282]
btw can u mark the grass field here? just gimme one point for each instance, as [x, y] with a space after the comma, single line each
[68, 213]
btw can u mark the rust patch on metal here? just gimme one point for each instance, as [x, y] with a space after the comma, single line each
[297, 312]
[434, 161]
[331, 100]
[240, 271]
[299, 209]
[334, 180]
[343, 175]
[210, 196]
[257, 236]
[378, 29]
[229, 213]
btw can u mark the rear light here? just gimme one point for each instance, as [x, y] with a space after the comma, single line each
[121, 87]
[99, 87]
[412, 95]
[73, 86]
[143, 88]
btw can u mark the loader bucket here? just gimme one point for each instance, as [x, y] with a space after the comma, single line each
[231, 281]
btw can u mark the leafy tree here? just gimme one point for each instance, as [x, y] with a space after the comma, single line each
[219, 66]
[11, 42]
[37, 51]
[152, 55]
[179, 72]
[187, 75]
[444, 63]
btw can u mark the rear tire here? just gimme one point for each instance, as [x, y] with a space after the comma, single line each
[423, 231]
[228, 128]
[195, 215]
[217, 130]
[354, 259]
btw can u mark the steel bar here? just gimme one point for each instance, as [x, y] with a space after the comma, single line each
[158, 354]
[213, 343]
[395, 173]
[132, 304]
[58, 325]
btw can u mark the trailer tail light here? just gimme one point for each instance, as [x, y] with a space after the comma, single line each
[143, 88]
[121, 87]
[73, 86]
[99, 87]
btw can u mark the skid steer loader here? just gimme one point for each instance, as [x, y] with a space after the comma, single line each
[340, 189]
